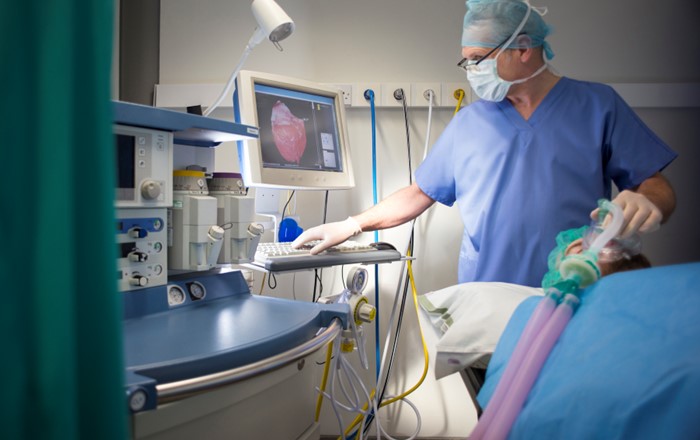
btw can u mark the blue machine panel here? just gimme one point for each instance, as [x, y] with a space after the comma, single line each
[188, 129]
[228, 328]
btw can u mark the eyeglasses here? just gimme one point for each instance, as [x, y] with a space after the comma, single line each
[473, 66]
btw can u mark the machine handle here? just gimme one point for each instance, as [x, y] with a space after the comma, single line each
[173, 391]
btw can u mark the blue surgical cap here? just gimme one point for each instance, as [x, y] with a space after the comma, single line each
[489, 23]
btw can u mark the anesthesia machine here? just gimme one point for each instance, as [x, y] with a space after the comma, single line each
[202, 354]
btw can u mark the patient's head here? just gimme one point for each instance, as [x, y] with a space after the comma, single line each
[610, 263]
[617, 255]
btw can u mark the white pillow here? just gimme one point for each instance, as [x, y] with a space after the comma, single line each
[471, 318]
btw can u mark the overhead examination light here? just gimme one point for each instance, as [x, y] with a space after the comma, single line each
[273, 24]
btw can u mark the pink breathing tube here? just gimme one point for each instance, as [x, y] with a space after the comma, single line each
[541, 332]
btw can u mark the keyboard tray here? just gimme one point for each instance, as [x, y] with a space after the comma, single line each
[297, 262]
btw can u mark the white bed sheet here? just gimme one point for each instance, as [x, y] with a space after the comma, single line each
[469, 319]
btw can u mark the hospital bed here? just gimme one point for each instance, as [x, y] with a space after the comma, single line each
[629, 360]
[626, 366]
[468, 320]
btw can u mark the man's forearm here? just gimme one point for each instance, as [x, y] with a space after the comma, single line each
[400, 207]
[659, 192]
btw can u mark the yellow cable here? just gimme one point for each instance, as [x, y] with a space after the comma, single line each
[426, 363]
[324, 379]
[459, 96]
[262, 285]
[425, 347]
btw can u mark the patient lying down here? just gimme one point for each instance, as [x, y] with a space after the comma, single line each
[470, 317]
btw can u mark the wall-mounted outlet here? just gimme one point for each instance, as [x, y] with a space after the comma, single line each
[347, 93]
[449, 97]
[358, 96]
[388, 94]
[420, 96]
[267, 201]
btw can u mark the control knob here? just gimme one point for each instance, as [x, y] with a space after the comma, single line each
[366, 312]
[138, 280]
[137, 256]
[150, 189]
[137, 232]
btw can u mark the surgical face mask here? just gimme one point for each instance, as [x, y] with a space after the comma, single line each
[488, 85]
[484, 78]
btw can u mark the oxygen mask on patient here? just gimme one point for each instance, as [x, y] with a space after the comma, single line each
[599, 244]
[615, 249]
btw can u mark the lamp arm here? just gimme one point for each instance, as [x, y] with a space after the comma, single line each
[257, 37]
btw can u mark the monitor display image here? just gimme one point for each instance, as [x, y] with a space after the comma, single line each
[302, 141]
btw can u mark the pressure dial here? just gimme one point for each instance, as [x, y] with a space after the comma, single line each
[196, 290]
[176, 295]
[357, 279]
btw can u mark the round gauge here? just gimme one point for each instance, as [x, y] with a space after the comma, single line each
[157, 246]
[357, 279]
[197, 290]
[157, 269]
[176, 295]
[157, 224]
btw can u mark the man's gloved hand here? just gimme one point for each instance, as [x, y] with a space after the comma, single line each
[330, 234]
[641, 215]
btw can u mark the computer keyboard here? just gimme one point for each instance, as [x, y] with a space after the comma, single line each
[281, 256]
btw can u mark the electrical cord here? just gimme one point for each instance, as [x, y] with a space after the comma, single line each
[318, 274]
[287, 204]
[365, 416]
[400, 95]
[382, 383]
[369, 96]
[270, 280]
[431, 96]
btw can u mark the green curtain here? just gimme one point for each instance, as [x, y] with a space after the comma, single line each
[60, 318]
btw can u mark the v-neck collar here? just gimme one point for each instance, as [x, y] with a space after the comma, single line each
[540, 112]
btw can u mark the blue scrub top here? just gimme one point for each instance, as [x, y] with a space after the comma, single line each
[519, 182]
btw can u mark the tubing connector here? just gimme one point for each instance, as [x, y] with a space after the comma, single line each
[581, 268]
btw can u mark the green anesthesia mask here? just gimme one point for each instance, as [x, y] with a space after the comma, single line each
[564, 239]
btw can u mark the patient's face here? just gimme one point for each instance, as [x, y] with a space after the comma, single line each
[576, 247]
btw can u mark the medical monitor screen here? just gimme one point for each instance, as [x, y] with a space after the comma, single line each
[126, 178]
[297, 130]
[301, 141]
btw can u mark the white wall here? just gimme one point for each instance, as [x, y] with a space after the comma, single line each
[419, 40]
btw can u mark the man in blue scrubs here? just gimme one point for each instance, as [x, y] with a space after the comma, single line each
[529, 159]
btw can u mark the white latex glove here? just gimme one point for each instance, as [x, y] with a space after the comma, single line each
[641, 215]
[330, 234]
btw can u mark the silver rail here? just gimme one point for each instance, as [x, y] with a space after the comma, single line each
[172, 391]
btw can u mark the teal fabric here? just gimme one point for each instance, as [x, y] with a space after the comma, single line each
[61, 366]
